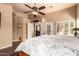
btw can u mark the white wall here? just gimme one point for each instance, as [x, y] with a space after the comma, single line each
[78, 12]
[6, 26]
[78, 16]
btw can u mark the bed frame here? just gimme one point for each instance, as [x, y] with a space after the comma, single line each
[21, 53]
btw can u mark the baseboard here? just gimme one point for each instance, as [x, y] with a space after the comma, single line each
[5, 46]
[14, 40]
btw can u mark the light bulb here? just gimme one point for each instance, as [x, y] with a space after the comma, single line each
[43, 19]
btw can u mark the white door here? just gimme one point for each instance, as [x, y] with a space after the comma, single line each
[30, 30]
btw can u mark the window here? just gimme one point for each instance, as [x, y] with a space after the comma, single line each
[65, 27]
[59, 27]
[49, 29]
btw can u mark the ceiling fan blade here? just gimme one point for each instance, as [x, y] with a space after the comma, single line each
[28, 6]
[42, 7]
[41, 12]
[27, 11]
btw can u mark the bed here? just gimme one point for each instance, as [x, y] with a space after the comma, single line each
[49, 45]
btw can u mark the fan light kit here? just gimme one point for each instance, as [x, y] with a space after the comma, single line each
[34, 13]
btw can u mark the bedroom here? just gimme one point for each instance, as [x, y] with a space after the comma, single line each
[57, 23]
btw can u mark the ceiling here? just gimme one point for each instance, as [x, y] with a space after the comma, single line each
[50, 7]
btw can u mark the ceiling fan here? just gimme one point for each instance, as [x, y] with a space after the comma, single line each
[35, 9]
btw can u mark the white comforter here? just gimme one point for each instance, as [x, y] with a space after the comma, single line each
[50, 45]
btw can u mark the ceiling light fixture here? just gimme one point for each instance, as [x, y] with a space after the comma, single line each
[34, 13]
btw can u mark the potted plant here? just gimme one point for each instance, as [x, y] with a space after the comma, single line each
[76, 31]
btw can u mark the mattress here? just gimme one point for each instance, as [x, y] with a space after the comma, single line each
[50, 45]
